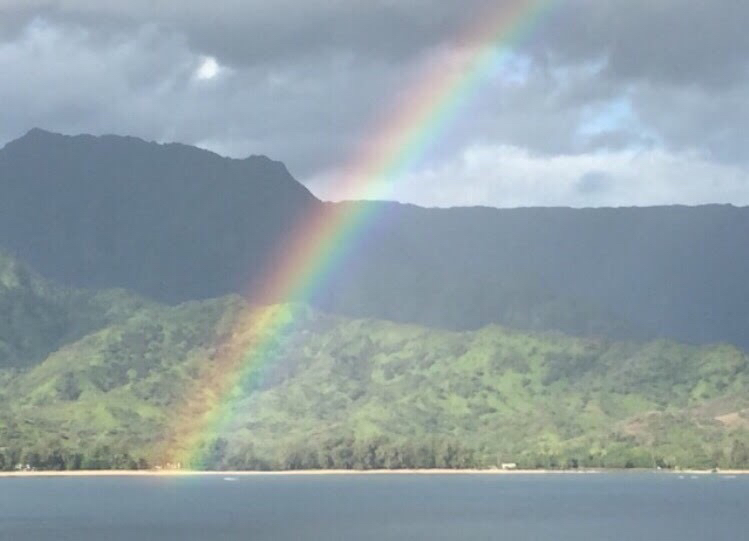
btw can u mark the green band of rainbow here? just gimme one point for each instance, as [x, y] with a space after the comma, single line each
[323, 238]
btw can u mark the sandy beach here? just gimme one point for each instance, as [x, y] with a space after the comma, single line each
[186, 473]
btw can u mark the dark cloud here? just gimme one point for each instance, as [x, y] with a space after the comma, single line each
[307, 81]
[679, 41]
[674, 41]
[253, 31]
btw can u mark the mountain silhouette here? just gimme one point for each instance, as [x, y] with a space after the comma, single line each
[175, 223]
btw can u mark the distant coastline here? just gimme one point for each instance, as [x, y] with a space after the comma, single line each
[244, 473]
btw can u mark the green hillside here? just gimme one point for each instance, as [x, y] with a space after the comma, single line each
[341, 393]
[37, 317]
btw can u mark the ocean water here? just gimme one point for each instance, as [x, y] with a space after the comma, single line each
[660, 507]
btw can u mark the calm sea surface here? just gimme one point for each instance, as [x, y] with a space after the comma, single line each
[422, 507]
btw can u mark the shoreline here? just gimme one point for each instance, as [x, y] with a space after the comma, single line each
[254, 473]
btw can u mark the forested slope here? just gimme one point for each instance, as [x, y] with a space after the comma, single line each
[346, 393]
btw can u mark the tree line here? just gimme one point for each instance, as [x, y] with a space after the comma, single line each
[57, 459]
[347, 453]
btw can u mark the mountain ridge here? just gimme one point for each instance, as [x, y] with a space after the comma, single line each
[37, 133]
[176, 223]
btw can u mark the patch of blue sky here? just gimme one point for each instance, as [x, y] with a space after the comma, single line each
[510, 69]
[616, 116]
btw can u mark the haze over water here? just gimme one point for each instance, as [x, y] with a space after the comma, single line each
[661, 507]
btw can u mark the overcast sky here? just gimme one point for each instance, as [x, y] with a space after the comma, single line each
[626, 102]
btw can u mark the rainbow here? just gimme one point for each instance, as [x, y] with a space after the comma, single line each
[321, 239]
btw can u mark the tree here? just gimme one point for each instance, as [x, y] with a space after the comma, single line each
[55, 461]
[739, 454]
[99, 459]
[74, 461]
[33, 459]
[216, 454]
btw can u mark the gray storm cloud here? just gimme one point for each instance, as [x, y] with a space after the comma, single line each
[657, 85]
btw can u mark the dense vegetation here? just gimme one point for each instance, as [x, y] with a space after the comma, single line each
[176, 223]
[37, 317]
[344, 393]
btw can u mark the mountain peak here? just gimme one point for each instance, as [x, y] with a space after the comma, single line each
[40, 135]
[126, 150]
[34, 135]
[169, 220]
[38, 132]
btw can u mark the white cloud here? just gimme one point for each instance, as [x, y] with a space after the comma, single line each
[208, 68]
[509, 176]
